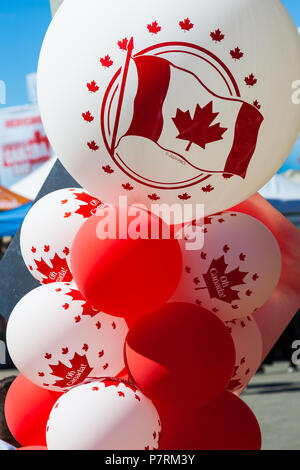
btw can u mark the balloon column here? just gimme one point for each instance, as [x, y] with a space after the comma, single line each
[137, 339]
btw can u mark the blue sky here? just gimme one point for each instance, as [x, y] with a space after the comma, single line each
[23, 24]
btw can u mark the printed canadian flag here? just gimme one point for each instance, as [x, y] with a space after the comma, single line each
[200, 130]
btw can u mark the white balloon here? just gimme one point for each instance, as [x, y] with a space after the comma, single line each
[57, 340]
[48, 232]
[237, 269]
[248, 344]
[103, 415]
[196, 108]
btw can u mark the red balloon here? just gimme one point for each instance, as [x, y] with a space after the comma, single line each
[27, 409]
[33, 448]
[226, 424]
[182, 354]
[125, 277]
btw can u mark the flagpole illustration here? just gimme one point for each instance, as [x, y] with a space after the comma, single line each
[130, 48]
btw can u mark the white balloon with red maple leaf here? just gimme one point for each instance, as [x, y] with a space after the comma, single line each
[58, 340]
[107, 414]
[236, 270]
[48, 232]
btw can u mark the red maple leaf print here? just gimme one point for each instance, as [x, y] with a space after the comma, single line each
[67, 215]
[90, 204]
[154, 28]
[127, 187]
[243, 324]
[106, 61]
[92, 87]
[203, 255]
[70, 376]
[184, 197]
[114, 326]
[98, 325]
[226, 248]
[58, 272]
[217, 35]
[220, 283]
[255, 277]
[93, 146]
[46, 248]
[242, 257]
[236, 53]
[221, 221]
[66, 306]
[64, 201]
[87, 308]
[41, 374]
[257, 104]
[123, 44]
[33, 249]
[101, 354]
[95, 389]
[196, 281]
[121, 394]
[137, 397]
[250, 80]
[249, 293]
[153, 197]
[198, 130]
[186, 25]
[66, 251]
[105, 366]
[208, 189]
[65, 351]
[88, 117]
[234, 385]
[48, 356]
[188, 269]
[85, 348]
[243, 360]
[77, 319]
[215, 310]
[31, 268]
[235, 307]
[108, 169]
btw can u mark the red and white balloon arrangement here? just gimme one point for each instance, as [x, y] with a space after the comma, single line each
[192, 341]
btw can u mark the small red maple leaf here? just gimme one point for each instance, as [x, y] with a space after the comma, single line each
[242, 257]
[234, 385]
[243, 324]
[85, 347]
[198, 130]
[227, 176]
[186, 25]
[64, 201]
[33, 249]
[66, 251]
[255, 277]
[46, 248]
[247, 372]
[243, 360]
[123, 44]
[215, 310]
[105, 366]
[203, 255]
[196, 281]
[31, 268]
[127, 187]
[249, 293]
[98, 325]
[106, 61]
[46, 385]
[114, 326]
[66, 306]
[235, 307]
[121, 394]
[223, 290]
[217, 35]
[92, 87]
[153, 197]
[154, 435]
[77, 319]
[101, 354]
[221, 221]
[58, 272]
[93, 146]
[67, 215]
[90, 204]
[88, 117]
[188, 269]
[65, 351]
[250, 80]
[41, 374]
[208, 189]
[57, 290]
[226, 248]
[236, 53]
[198, 302]
[95, 389]
[184, 197]
[137, 397]
[257, 104]
[108, 169]
[48, 356]
[71, 376]
[154, 28]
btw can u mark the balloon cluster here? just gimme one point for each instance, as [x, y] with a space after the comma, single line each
[137, 340]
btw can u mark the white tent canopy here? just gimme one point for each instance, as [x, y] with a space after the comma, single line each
[30, 186]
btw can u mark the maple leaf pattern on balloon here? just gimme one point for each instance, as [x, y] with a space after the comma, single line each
[198, 130]
[90, 206]
[184, 197]
[257, 104]
[208, 189]
[236, 53]
[220, 283]
[186, 25]
[71, 376]
[58, 272]
[88, 117]
[250, 80]
[106, 61]
[127, 187]
[93, 146]
[153, 197]
[123, 44]
[92, 87]
[108, 169]
[87, 308]
[154, 27]
[217, 35]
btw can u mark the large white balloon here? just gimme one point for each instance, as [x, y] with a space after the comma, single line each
[57, 340]
[103, 415]
[171, 101]
[48, 232]
[237, 269]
